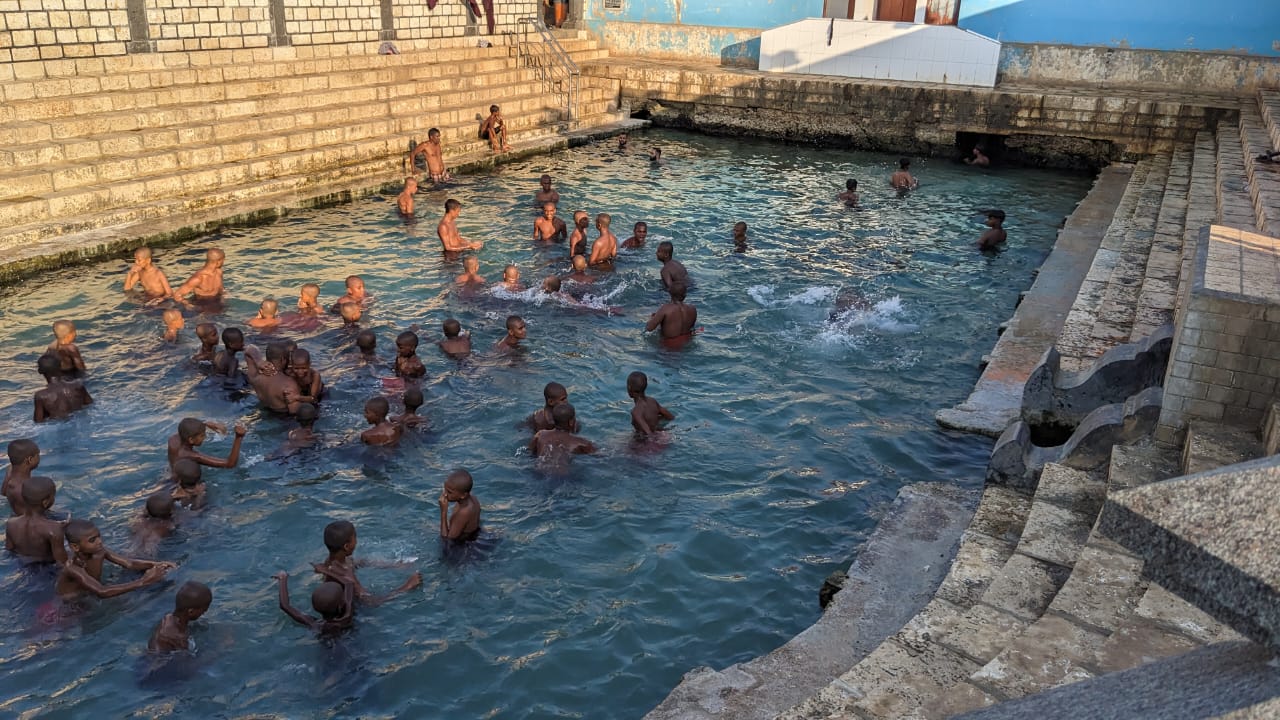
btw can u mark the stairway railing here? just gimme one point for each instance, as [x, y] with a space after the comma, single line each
[538, 48]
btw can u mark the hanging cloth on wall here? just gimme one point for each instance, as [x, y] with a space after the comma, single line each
[431, 4]
[489, 19]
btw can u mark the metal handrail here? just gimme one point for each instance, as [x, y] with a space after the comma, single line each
[548, 57]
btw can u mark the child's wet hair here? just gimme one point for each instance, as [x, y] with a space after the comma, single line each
[192, 596]
[459, 480]
[552, 391]
[187, 472]
[232, 335]
[35, 490]
[327, 599]
[307, 414]
[452, 328]
[637, 382]
[366, 340]
[21, 450]
[562, 415]
[49, 365]
[407, 337]
[413, 398]
[78, 529]
[160, 505]
[189, 428]
[378, 406]
[337, 534]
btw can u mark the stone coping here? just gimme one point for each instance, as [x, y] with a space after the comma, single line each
[1241, 264]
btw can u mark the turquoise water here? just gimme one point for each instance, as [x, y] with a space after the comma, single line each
[597, 588]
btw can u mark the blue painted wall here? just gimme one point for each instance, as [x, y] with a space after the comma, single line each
[761, 14]
[1250, 26]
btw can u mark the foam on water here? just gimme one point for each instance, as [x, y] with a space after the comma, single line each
[766, 295]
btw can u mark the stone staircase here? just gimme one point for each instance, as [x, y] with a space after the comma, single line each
[146, 139]
[1036, 599]
[1260, 133]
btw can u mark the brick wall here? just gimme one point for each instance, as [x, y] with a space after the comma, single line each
[55, 29]
[176, 25]
[325, 22]
[414, 22]
[1226, 351]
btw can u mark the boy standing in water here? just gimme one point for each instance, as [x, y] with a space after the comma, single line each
[355, 292]
[173, 322]
[33, 535]
[511, 279]
[850, 195]
[225, 362]
[64, 348]
[549, 228]
[605, 248]
[340, 540]
[267, 318]
[191, 432]
[672, 270]
[154, 284]
[172, 633]
[638, 234]
[579, 274]
[383, 432]
[470, 272]
[447, 230]
[553, 394]
[465, 523]
[60, 396]
[647, 413]
[902, 178]
[546, 194]
[578, 238]
[516, 331]
[455, 344]
[995, 234]
[309, 381]
[560, 440]
[350, 313]
[207, 333]
[24, 456]
[412, 401]
[408, 364]
[309, 299]
[676, 319]
[335, 603]
[740, 237]
[205, 283]
[191, 489]
[83, 571]
[404, 201]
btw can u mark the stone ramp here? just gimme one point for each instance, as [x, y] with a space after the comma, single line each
[143, 139]
[997, 397]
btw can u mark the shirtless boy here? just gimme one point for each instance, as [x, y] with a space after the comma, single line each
[309, 381]
[404, 201]
[579, 274]
[173, 322]
[277, 390]
[553, 394]
[351, 314]
[464, 525]
[207, 333]
[647, 413]
[61, 396]
[978, 158]
[850, 195]
[83, 571]
[433, 152]
[676, 319]
[470, 272]
[225, 361]
[304, 435]
[495, 129]
[309, 299]
[64, 348]
[268, 315]
[34, 535]
[191, 490]
[173, 633]
[548, 227]
[413, 400]
[154, 284]
[340, 566]
[740, 237]
[24, 456]
[672, 270]
[638, 234]
[902, 178]
[605, 248]
[511, 279]
[546, 194]
[191, 433]
[995, 234]
[408, 364]
[560, 441]
[355, 292]
[516, 331]
[155, 524]
[367, 344]
[455, 344]
[447, 230]
[578, 238]
[205, 283]
[335, 603]
[383, 432]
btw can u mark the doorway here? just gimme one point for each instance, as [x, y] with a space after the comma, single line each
[896, 10]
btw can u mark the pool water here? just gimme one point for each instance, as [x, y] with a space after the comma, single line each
[595, 588]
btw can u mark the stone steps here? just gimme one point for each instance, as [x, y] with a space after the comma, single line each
[1158, 295]
[155, 140]
[1209, 446]
[1119, 301]
[1235, 206]
[1104, 310]
[1269, 104]
[1264, 178]
[1202, 207]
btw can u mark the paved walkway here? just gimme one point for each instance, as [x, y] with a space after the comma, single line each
[997, 398]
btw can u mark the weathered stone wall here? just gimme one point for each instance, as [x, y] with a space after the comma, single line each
[1225, 73]
[414, 21]
[1035, 126]
[53, 29]
[185, 25]
[1226, 352]
[323, 22]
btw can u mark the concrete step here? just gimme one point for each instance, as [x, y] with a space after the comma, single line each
[1159, 293]
[1115, 316]
[1269, 104]
[1202, 207]
[1063, 512]
[1076, 342]
[1235, 206]
[1141, 463]
[1264, 178]
[1209, 446]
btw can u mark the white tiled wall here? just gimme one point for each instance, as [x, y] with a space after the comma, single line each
[881, 51]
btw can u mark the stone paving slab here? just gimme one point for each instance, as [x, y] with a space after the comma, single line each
[1025, 586]
[996, 399]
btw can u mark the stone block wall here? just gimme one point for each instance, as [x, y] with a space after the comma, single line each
[55, 29]
[177, 25]
[414, 22]
[325, 22]
[1225, 362]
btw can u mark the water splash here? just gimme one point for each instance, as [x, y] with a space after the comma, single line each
[766, 296]
[845, 327]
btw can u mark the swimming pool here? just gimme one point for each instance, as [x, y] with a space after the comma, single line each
[599, 588]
